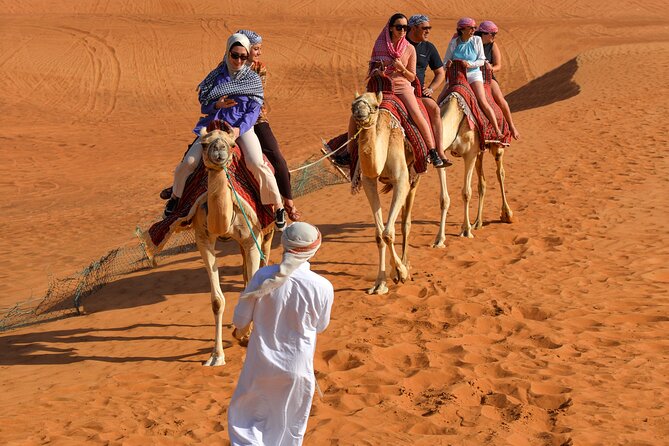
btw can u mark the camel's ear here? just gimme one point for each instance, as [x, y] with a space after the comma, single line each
[379, 97]
[357, 95]
[203, 131]
[227, 128]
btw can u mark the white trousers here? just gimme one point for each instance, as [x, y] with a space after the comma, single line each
[250, 147]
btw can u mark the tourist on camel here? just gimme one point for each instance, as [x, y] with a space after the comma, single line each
[487, 31]
[468, 49]
[428, 55]
[269, 144]
[232, 93]
[395, 58]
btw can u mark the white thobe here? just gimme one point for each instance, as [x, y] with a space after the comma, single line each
[272, 400]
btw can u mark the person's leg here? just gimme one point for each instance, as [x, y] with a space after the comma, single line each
[499, 98]
[269, 191]
[181, 174]
[411, 103]
[483, 103]
[186, 167]
[270, 148]
[435, 120]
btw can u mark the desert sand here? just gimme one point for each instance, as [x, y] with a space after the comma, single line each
[548, 331]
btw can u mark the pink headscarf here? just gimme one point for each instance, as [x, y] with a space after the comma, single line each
[465, 22]
[384, 50]
[488, 26]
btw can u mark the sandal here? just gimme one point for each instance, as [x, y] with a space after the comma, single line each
[166, 193]
[293, 213]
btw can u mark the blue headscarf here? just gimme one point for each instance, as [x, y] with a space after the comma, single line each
[254, 38]
[417, 19]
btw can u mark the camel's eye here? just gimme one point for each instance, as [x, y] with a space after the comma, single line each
[375, 108]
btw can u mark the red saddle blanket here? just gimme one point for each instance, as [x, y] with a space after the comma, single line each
[394, 105]
[195, 194]
[457, 78]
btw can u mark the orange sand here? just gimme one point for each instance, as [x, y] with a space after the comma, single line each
[549, 331]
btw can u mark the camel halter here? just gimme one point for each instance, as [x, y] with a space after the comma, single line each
[367, 123]
[246, 219]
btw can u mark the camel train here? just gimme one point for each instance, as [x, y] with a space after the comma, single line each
[385, 156]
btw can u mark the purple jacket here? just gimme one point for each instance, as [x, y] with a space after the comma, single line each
[243, 115]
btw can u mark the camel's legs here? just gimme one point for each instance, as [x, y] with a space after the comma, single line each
[406, 220]
[206, 244]
[444, 204]
[400, 192]
[470, 160]
[507, 214]
[369, 185]
[478, 224]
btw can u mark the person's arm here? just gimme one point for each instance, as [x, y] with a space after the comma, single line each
[249, 115]
[243, 315]
[324, 317]
[449, 52]
[437, 66]
[209, 109]
[496, 58]
[480, 54]
[408, 71]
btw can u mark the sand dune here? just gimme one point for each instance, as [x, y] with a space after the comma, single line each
[548, 331]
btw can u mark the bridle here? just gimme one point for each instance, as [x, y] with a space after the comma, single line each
[370, 121]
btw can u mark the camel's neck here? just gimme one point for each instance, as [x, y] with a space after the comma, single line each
[373, 146]
[451, 116]
[219, 203]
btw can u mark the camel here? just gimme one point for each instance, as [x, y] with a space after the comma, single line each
[384, 156]
[464, 142]
[222, 217]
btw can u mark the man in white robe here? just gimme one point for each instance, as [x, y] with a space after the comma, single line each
[288, 305]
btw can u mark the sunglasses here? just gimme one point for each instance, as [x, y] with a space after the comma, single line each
[401, 27]
[237, 56]
[490, 34]
[426, 28]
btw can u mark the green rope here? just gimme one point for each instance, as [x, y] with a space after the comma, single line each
[248, 223]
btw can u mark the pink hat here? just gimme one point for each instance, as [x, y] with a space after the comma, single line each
[488, 26]
[466, 22]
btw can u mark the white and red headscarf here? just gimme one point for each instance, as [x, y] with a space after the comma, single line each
[488, 26]
[300, 242]
[384, 50]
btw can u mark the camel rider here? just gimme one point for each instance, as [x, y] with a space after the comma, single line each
[233, 93]
[427, 55]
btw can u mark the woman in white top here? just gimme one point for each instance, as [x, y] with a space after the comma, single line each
[468, 48]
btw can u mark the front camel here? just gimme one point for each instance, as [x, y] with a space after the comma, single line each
[384, 157]
[223, 217]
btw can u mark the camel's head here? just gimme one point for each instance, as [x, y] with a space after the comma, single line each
[216, 147]
[365, 108]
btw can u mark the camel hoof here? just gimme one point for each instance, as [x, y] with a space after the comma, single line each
[467, 234]
[214, 361]
[378, 289]
[401, 274]
[438, 245]
[478, 224]
[506, 217]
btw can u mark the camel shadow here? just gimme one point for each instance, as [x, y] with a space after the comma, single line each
[46, 347]
[556, 85]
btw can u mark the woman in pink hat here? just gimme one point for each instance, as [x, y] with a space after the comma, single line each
[487, 32]
[468, 48]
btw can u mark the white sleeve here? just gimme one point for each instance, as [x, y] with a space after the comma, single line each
[480, 54]
[449, 51]
[324, 317]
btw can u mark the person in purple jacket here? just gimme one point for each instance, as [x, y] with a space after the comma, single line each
[233, 93]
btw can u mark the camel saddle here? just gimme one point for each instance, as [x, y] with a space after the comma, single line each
[460, 88]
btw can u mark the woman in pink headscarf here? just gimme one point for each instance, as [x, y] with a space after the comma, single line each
[396, 57]
[468, 48]
[487, 32]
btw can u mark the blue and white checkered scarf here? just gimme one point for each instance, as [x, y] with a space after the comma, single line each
[244, 82]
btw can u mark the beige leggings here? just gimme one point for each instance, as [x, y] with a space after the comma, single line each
[411, 103]
[250, 146]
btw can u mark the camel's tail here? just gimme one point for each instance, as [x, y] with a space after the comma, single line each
[386, 188]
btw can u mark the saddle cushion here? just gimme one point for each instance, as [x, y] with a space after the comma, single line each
[458, 85]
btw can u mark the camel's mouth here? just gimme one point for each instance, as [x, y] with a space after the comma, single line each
[217, 154]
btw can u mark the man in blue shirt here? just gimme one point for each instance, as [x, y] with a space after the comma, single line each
[427, 55]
